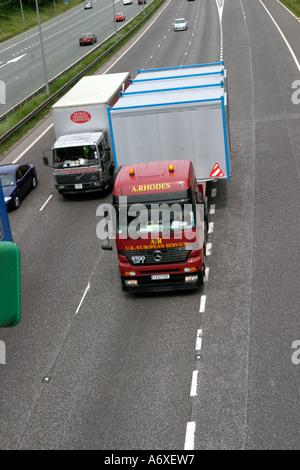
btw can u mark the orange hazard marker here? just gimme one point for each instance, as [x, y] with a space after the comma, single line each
[216, 171]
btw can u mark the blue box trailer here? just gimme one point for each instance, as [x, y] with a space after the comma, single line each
[175, 113]
[5, 231]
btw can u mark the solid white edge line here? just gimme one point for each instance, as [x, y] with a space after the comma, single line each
[82, 299]
[289, 11]
[32, 143]
[190, 435]
[283, 37]
[198, 345]
[46, 202]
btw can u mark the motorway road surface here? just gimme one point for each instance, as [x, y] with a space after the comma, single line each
[89, 367]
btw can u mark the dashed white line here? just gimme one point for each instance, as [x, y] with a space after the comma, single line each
[82, 299]
[46, 202]
[212, 209]
[202, 303]
[193, 392]
[190, 436]
[211, 226]
[208, 249]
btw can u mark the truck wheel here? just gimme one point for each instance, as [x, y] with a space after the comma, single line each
[34, 182]
[17, 202]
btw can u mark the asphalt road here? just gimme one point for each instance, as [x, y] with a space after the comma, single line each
[89, 367]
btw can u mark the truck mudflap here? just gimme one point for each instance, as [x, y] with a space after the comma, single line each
[163, 282]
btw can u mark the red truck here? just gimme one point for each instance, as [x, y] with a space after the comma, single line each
[161, 224]
[170, 136]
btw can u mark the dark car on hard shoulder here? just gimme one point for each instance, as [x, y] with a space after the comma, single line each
[17, 180]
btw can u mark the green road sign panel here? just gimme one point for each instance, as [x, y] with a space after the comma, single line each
[10, 296]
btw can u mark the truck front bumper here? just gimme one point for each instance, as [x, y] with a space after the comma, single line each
[81, 188]
[181, 281]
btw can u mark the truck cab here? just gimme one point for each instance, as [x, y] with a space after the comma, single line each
[161, 223]
[82, 163]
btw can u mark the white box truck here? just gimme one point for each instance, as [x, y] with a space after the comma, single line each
[175, 113]
[81, 155]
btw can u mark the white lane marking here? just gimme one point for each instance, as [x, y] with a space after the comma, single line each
[202, 303]
[199, 340]
[33, 143]
[214, 192]
[208, 249]
[13, 60]
[212, 209]
[46, 202]
[193, 392]
[190, 436]
[211, 226]
[283, 37]
[206, 273]
[82, 299]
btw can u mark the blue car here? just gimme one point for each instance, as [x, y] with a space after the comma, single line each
[16, 181]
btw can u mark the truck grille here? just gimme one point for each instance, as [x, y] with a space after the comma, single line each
[77, 178]
[152, 257]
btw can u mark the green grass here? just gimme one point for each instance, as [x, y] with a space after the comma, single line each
[293, 5]
[11, 23]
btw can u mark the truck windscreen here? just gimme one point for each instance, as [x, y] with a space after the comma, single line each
[139, 220]
[75, 156]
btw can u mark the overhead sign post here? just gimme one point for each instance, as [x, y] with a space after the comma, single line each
[10, 298]
[5, 232]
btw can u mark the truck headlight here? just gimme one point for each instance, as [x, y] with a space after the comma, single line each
[131, 282]
[191, 278]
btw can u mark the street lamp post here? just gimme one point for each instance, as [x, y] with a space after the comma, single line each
[21, 5]
[42, 49]
[116, 31]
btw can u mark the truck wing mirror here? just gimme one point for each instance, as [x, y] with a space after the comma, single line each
[46, 161]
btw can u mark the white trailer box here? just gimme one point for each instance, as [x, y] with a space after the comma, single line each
[174, 114]
[83, 109]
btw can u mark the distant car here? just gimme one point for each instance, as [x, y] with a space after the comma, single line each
[17, 181]
[87, 38]
[180, 24]
[127, 2]
[140, 2]
[120, 17]
[87, 5]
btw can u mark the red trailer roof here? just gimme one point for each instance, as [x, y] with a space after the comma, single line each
[153, 177]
